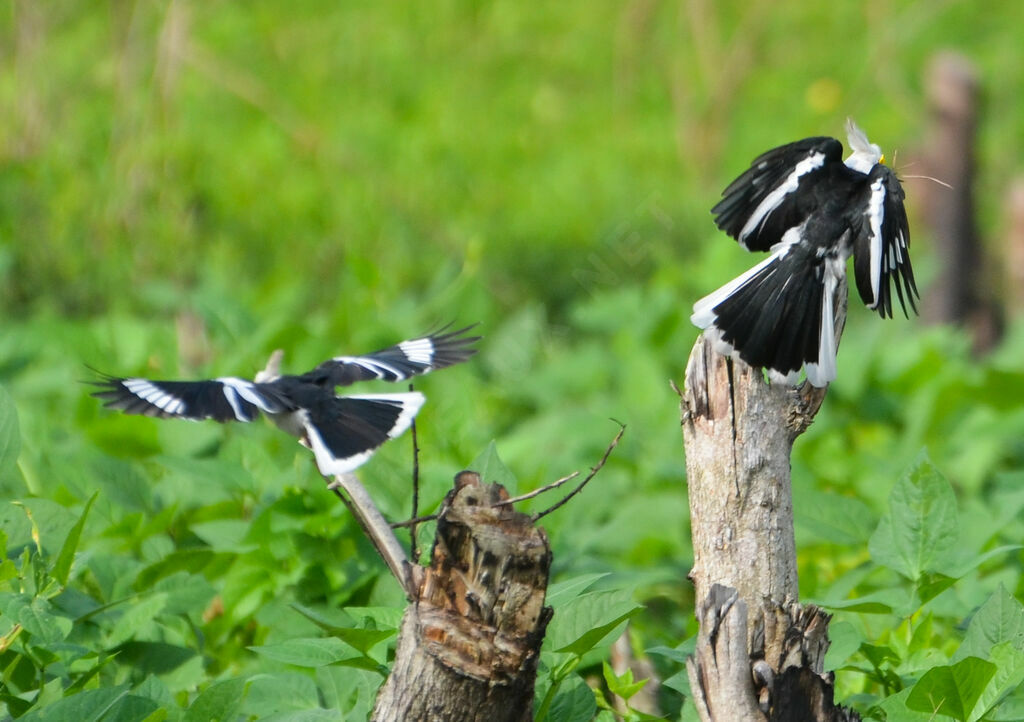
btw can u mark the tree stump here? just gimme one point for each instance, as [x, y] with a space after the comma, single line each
[759, 655]
[470, 639]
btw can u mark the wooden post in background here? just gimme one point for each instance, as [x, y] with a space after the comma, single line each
[961, 294]
[759, 655]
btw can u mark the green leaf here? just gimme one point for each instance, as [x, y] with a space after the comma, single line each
[999, 619]
[582, 623]
[895, 709]
[62, 567]
[86, 706]
[10, 436]
[622, 685]
[280, 693]
[492, 469]
[219, 702]
[952, 690]
[921, 526]
[39, 620]
[844, 640]
[881, 602]
[838, 519]
[312, 652]
[341, 624]
[1009, 676]
[560, 593]
[137, 615]
[574, 702]
[153, 658]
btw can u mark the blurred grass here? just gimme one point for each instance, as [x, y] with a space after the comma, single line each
[186, 186]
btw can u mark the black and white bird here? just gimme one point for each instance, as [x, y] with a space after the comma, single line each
[810, 210]
[342, 431]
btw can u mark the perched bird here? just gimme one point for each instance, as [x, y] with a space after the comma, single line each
[342, 431]
[811, 210]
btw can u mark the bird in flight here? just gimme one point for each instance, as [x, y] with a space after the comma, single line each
[810, 210]
[342, 431]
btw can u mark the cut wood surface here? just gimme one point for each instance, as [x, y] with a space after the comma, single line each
[470, 640]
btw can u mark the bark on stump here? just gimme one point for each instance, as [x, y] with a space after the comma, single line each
[760, 655]
[470, 640]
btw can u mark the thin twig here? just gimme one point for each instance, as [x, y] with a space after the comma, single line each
[414, 522]
[414, 552]
[591, 475]
[538, 492]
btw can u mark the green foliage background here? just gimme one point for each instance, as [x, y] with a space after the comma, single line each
[186, 186]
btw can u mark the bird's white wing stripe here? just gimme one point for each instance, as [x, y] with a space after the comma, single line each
[153, 394]
[773, 199]
[247, 391]
[875, 213]
[231, 394]
[703, 311]
[824, 370]
[377, 368]
[418, 351]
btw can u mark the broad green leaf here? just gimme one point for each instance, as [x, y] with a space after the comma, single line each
[573, 702]
[881, 602]
[999, 619]
[844, 640]
[133, 708]
[622, 685]
[343, 625]
[186, 593]
[680, 682]
[10, 435]
[561, 592]
[220, 702]
[492, 469]
[585, 621]
[153, 658]
[87, 706]
[276, 694]
[921, 526]
[680, 653]
[1009, 676]
[189, 560]
[896, 710]
[314, 652]
[952, 690]
[137, 616]
[62, 567]
[38, 619]
[835, 518]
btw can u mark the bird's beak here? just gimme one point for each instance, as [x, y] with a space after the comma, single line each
[882, 159]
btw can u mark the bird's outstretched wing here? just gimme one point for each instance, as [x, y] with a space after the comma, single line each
[881, 248]
[398, 362]
[770, 197]
[223, 399]
[344, 431]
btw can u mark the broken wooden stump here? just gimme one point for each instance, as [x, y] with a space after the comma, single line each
[759, 654]
[470, 639]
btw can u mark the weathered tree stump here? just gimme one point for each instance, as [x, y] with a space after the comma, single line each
[470, 639]
[759, 655]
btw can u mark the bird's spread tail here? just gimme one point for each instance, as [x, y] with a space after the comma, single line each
[779, 315]
[344, 431]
